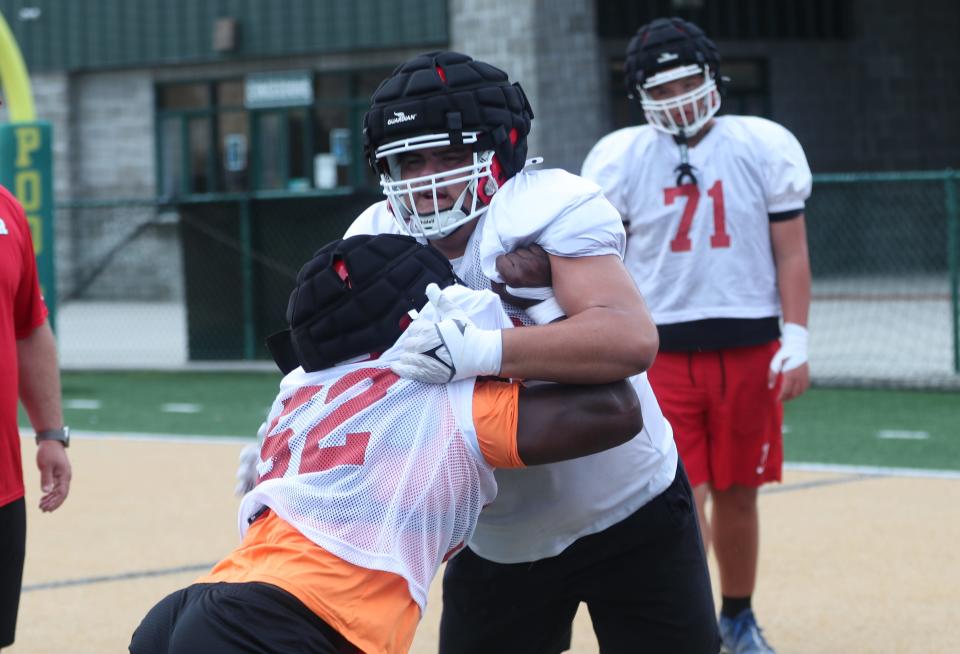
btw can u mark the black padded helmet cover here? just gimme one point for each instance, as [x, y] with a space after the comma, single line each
[449, 92]
[667, 43]
[333, 319]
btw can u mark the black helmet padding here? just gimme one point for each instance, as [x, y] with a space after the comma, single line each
[340, 311]
[449, 92]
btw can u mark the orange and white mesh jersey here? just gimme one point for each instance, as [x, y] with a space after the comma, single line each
[541, 510]
[372, 481]
[703, 251]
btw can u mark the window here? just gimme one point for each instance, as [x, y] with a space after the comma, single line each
[184, 96]
[208, 141]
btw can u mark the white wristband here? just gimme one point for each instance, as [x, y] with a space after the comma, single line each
[545, 312]
[793, 349]
[531, 293]
[795, 335]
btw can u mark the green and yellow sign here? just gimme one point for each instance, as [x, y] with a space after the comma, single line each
[26, 160]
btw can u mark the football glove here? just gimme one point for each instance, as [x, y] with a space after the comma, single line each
[448, 348]
[247, 474]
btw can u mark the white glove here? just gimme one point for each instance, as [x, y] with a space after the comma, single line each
[793, 349]
[543, 312]
[247, 474]
[449, 348]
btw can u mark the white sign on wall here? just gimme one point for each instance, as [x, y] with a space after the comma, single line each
[283, 89]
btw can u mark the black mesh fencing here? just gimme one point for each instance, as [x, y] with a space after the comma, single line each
[883, 251]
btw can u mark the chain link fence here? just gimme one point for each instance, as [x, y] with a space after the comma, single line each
[145, 285]
[197, 284]
[883, 250]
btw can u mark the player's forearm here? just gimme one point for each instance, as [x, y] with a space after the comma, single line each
[793, 282]
[562, 421]
[599, 345]
[39, 377]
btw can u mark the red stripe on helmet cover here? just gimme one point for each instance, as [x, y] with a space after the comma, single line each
[340, 268]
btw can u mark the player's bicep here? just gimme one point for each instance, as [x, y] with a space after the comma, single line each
[789, 238]
[582, 283]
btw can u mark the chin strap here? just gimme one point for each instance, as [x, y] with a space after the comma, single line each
[684, 170]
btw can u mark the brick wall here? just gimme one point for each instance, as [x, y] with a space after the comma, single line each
[551, 49]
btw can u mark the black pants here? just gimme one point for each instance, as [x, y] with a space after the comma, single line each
[13, 541]
[645, 582]
[227, 618]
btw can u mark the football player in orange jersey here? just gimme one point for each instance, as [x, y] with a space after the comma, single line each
[368, 481]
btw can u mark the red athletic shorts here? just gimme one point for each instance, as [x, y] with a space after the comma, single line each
[726, 422]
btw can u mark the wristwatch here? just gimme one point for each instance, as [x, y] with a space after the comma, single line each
[62, 435]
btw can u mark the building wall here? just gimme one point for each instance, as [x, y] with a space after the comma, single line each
[135, 34]
[105, 149]
[552, 50]
[885, 99]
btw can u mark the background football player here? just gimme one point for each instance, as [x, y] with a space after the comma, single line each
[717, 243]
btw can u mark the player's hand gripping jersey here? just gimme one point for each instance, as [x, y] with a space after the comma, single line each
[541, 510]
[703, 251]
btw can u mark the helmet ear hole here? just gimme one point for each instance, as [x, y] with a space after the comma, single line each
[492, 182]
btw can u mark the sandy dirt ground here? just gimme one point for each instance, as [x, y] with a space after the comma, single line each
[848, 563]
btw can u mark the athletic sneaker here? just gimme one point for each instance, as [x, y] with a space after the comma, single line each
[741, 635]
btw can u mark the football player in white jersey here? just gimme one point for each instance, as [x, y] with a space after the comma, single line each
[714, 211]
[616, 530]
[368, 481]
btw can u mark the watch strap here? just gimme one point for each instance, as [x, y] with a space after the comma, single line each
[62, 435]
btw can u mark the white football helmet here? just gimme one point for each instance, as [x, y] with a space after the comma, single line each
[665, 50]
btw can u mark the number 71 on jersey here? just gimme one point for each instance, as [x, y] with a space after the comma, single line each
[719, 238]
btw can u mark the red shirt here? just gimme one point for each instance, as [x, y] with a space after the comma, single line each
[21, 311]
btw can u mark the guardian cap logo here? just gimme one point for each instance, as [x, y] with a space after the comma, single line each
[400, 117]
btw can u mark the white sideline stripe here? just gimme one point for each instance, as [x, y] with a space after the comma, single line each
[243, 440]
[873, 470]
[181, 407]
[84, 405]
[144, 436]
[903, 434]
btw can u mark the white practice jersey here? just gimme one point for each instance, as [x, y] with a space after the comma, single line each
[541, 510]
[703, 251]
[385, 473]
